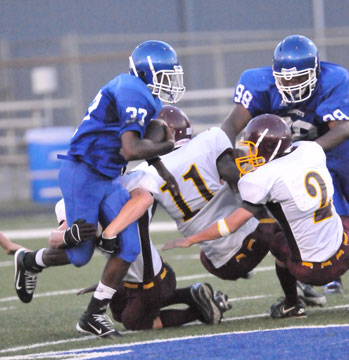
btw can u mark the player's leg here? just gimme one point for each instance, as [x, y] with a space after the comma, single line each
[199, 297]
[115, 269]
[340, 178]
[290, 306]
[253, 250]
[81, 193]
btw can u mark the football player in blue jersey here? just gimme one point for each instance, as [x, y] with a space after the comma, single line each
[312, 96]
[110, 135]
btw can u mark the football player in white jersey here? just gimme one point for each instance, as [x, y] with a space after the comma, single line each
[150, 283]
[312, 96]
[199, 167]
[292, 180]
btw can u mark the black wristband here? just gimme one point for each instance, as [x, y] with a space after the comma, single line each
[153, 160]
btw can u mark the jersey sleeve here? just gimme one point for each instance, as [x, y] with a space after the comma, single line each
[216, 141]
[144, 177]
[254, 188]
[135, 105]
[252, 90]
[335, 103]
[60, 211]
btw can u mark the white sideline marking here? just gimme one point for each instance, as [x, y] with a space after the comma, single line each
[52, 354]
[26, 234]
[6, 263]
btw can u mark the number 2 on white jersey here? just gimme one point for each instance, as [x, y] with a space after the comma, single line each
[324, 211]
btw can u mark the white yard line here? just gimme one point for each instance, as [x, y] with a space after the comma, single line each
[26, 234]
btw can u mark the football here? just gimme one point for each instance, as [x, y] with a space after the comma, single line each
[156, 131]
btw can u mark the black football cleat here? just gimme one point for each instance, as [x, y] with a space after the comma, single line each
[282, 310]
[97, 324]
[309, 296]
[25, 280]
[221, 301]
[202, 295]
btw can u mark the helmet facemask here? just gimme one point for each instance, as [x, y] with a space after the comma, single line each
[167, 84]
[267, 146]
[156, 63]
[298, 92]
[249, 162]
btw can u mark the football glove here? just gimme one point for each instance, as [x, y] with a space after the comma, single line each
[79, 232]
[109, 245]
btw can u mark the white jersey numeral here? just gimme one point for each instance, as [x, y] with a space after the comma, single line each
[134, 114]
[324, 211]
[93, 106]
[243, 96]
[336, 115]
[199, 183]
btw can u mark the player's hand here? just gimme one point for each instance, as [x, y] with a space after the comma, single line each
[168, 177]
[171, 181]
[177, 243]
[170, 134]
[87, 290]
[109, 245]
[79, 232]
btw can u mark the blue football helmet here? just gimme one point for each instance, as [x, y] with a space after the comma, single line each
[296, 68]
[156, 63]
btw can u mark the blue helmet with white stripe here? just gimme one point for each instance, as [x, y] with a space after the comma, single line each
[156, 63]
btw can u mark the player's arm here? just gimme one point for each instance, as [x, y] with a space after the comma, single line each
[135, 148]
[165, 174]
[9, 246]
[339, 132]
[227, 169]
[223, 227]
[56, 236]
[140, 201]
[236, 122]
[64, 236]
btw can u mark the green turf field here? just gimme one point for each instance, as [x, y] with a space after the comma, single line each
[48, 322]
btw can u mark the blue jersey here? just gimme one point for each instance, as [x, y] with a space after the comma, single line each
[123, 104]
[308, 119]
[257, 92]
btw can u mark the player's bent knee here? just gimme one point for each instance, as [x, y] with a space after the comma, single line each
[134, 324]
[79, 260]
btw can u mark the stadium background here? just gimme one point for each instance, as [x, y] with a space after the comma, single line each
[85, 43]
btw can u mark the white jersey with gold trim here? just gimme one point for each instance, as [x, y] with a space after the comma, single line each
[203, 199]
[194, 167]
[299, 187]
[221, 250]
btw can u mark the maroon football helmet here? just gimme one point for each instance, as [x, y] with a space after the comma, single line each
[176, 119]
[267, 137]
